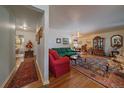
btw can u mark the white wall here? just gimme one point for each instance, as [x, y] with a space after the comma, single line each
[7, 43]
[53, 34]
[42, 49]
[12, 39]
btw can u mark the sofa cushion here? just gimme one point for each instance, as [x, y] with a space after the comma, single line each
[59, 50]
[69, 50]
[65, 51]
[71, 53]
[62, 54]
[54, 54]
[51, 58]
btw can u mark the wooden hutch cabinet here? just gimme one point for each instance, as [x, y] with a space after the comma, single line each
[98, 46]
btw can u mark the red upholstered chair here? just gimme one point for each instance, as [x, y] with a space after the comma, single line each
[58, 65]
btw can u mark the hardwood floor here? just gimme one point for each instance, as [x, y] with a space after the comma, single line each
[73, 79]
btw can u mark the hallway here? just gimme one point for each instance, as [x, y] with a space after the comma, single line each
[25, 75]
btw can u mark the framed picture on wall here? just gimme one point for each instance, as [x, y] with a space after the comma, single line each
[65, 40]
[58, 40]
[117, 41]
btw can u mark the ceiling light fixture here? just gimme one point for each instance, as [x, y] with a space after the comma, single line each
[24, 26]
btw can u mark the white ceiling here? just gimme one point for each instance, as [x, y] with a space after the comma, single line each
[85, 18]
[26, 17]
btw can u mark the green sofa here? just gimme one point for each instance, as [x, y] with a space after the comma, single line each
[65, 51]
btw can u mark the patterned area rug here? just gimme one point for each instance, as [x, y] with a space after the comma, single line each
[110, 80]
[25, 74]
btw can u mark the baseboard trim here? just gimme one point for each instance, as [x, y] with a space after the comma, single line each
[39, 70]
[10, 76]
[44, 82]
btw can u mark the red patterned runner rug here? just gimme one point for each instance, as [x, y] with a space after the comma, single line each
[25, 74]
